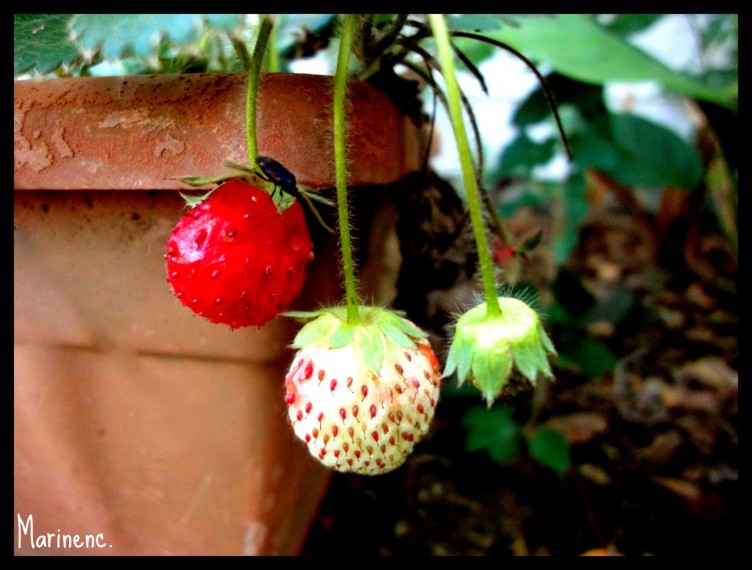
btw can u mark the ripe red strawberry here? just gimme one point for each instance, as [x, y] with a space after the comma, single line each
[235, 259]
[361, 396]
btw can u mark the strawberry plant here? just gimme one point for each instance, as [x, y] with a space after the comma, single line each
[497, 339]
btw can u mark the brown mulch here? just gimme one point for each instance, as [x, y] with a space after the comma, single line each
[654, 439]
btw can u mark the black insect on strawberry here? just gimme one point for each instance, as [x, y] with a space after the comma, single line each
[278, 175]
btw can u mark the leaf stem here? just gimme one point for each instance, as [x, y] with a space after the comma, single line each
[254, 74]
[340, 162]
[445, 56]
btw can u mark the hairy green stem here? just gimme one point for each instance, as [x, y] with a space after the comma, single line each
[445, 55]
[340, 162]
[254, 74]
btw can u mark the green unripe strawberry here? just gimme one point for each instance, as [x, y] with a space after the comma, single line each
[487, 348]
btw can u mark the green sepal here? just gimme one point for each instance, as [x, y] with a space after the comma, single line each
[204, 180]
[378, 327]
[459, 359]
[302, 315]
[342, 336]
[396, 335]
[547, 344]
[314, 331]
[370, 342]
[193, 201]
[491, 371]
[525, 358]
[451, 361]
[487, 348]
[405, 326]
[464, 360]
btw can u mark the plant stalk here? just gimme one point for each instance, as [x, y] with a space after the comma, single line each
[445, 56]
[340, 162]
[254, 74]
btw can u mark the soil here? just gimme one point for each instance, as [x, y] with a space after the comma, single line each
[653, 438]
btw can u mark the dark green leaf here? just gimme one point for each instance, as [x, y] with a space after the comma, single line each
[523, 154]
[493, 430]
[587, 98]
[41, 41]
[577, 46]
[533, 194]
[591, 356]
[576, 207]
[628, 24]
[551, 448]
[654, 156]
[591, 150]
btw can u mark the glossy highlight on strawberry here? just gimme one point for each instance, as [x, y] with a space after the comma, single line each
[236, 259]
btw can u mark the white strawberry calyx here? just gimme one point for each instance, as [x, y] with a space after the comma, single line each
[487, 349]
[360, 396]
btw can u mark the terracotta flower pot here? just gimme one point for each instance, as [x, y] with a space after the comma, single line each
[138, 426]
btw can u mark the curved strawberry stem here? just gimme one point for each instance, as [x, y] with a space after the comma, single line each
[444, 49]
[340, 162]
[254, 74]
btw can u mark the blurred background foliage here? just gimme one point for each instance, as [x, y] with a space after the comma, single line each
[643, 164]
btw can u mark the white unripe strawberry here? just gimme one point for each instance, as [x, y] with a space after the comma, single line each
[361, 396]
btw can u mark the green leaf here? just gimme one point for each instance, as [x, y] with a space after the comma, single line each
[566, 91]
[591, 150]
[551, 448]
[472, 22]
[653, 155]
[41, 41]
[628, 24]
[118, 34]
[493, 430]
[591, 356]
[576, 207]
[577, 46]
[523, 154]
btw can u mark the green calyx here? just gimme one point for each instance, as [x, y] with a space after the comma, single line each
[487, 348]
[377, 331]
